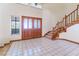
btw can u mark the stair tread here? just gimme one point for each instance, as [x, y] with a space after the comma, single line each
[49, 37]
[61, 26]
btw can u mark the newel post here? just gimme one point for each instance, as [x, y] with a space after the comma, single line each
[65, 18]
[77, 10]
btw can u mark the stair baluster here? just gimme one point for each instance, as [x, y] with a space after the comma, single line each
[67, 21]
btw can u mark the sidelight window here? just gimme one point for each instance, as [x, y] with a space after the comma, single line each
[15, 25]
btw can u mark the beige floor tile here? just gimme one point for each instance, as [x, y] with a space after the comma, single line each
[43, 47]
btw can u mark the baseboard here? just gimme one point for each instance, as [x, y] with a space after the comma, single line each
[69, 41]
[11, 42]
[16, 40]
[2, 46]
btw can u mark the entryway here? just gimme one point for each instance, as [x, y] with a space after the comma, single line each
[31, 27]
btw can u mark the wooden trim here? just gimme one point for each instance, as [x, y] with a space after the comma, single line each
[15, 40]
[69, 41]
[47, 33]
[31, 17]
[71, 12]
[2, 46]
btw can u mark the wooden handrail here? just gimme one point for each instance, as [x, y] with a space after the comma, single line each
[47, 33]
[67, 20]
[72, 12]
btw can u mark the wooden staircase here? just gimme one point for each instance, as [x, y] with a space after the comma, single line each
[49, 34]
[68, 20]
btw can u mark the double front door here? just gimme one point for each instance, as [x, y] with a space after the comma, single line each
[31, 27]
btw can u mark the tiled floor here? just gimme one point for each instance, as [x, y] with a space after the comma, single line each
[43, 47]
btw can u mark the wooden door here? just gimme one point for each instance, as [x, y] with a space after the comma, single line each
[31, 27]
[37, 30]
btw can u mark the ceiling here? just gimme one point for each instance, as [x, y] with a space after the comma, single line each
[37, 5]
[52, 6]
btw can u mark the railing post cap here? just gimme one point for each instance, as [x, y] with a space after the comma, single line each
[77, 5]
[65, 15]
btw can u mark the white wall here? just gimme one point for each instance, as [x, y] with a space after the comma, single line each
[52, 13]
[69, 7]
[72, 33]
[7, 10]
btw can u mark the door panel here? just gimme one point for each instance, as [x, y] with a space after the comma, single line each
[30, 23]
[39, 24]
[31, 27]
[35, 24]
[25, 23]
